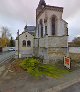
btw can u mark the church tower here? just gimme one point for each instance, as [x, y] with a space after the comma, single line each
[41, 5]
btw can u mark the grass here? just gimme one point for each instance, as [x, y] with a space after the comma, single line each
[37, 69]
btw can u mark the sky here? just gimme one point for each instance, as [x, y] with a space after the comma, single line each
[15, 14]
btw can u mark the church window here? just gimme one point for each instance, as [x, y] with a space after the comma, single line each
[24, 43]
[41, 24]
[29, 43]
[38, 30]
[53, 25]
[45, 30]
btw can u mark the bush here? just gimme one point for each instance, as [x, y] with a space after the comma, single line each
[37, 69]
[32, 66]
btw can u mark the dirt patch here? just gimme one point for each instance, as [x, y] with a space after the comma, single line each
[14, 67]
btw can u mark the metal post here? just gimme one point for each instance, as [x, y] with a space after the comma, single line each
[18, 44]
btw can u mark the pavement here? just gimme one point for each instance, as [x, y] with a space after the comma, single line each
[66, 82]
[22, 82]
[73, 88]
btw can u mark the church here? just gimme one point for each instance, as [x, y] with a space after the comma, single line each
[51, 34]
[51, 40]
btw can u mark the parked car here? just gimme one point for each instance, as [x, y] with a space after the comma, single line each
[11, 49]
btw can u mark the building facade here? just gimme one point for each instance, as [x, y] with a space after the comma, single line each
[26, 40]
[51, 40]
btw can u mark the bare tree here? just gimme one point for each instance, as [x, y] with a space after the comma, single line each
[5, 32]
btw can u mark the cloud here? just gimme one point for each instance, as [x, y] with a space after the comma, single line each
[24, 10]
[74, 28]
[70, 6]
[15, 13]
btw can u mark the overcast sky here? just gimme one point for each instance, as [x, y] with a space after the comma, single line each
[15, 14]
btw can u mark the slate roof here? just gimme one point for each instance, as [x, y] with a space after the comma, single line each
[31, 28]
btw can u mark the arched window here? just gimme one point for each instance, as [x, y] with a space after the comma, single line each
[53, 24]
[29, 43]
[41, 27]
[24, 43]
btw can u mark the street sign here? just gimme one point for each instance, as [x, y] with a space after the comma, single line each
[67, 62]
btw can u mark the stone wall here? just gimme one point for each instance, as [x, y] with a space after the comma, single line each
[51, 49]
[56, 54]
[57, 41]
[74, 49]
[53, 41]
[51, 55]
[75, 57]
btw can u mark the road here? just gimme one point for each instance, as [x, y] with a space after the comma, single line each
[73, 88]
[4, 56]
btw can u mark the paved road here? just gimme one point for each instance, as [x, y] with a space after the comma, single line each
[6, 55]
[73, 88]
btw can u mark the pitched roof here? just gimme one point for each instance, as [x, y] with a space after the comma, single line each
[31, 28]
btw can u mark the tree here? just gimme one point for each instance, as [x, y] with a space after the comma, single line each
[5, 33]
[12, 42]
[76, 41]
[5, 37]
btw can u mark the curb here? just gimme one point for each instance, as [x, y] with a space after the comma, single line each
[62, 86]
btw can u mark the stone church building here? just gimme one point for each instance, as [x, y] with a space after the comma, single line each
[51, 35]
[51, 41]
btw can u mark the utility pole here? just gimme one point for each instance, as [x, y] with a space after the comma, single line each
[18, 43]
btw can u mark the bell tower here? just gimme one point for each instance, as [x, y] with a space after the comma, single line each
[41, 5]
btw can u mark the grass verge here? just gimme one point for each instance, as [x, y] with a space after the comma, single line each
[37, 69]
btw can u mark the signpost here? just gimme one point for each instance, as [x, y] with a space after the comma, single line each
[67, 62]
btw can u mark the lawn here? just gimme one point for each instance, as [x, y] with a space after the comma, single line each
[37, 69]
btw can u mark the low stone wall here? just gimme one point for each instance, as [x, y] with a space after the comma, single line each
[75, 57]
[74, 50]
[56, 54]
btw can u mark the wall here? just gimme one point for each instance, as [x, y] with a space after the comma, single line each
[60, 41]
[25, 50]
[74, 53]
[74, 49]
[75, 57]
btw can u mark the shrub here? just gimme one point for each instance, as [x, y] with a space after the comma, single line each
[31, 65]
[37, 69]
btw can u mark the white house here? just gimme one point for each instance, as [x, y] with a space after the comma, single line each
[26, 41]
[51, 41]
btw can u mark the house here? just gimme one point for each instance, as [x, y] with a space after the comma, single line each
[51, 40]
[26, 41]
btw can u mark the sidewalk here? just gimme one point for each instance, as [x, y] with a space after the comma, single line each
[65, 82]
[24, 83]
